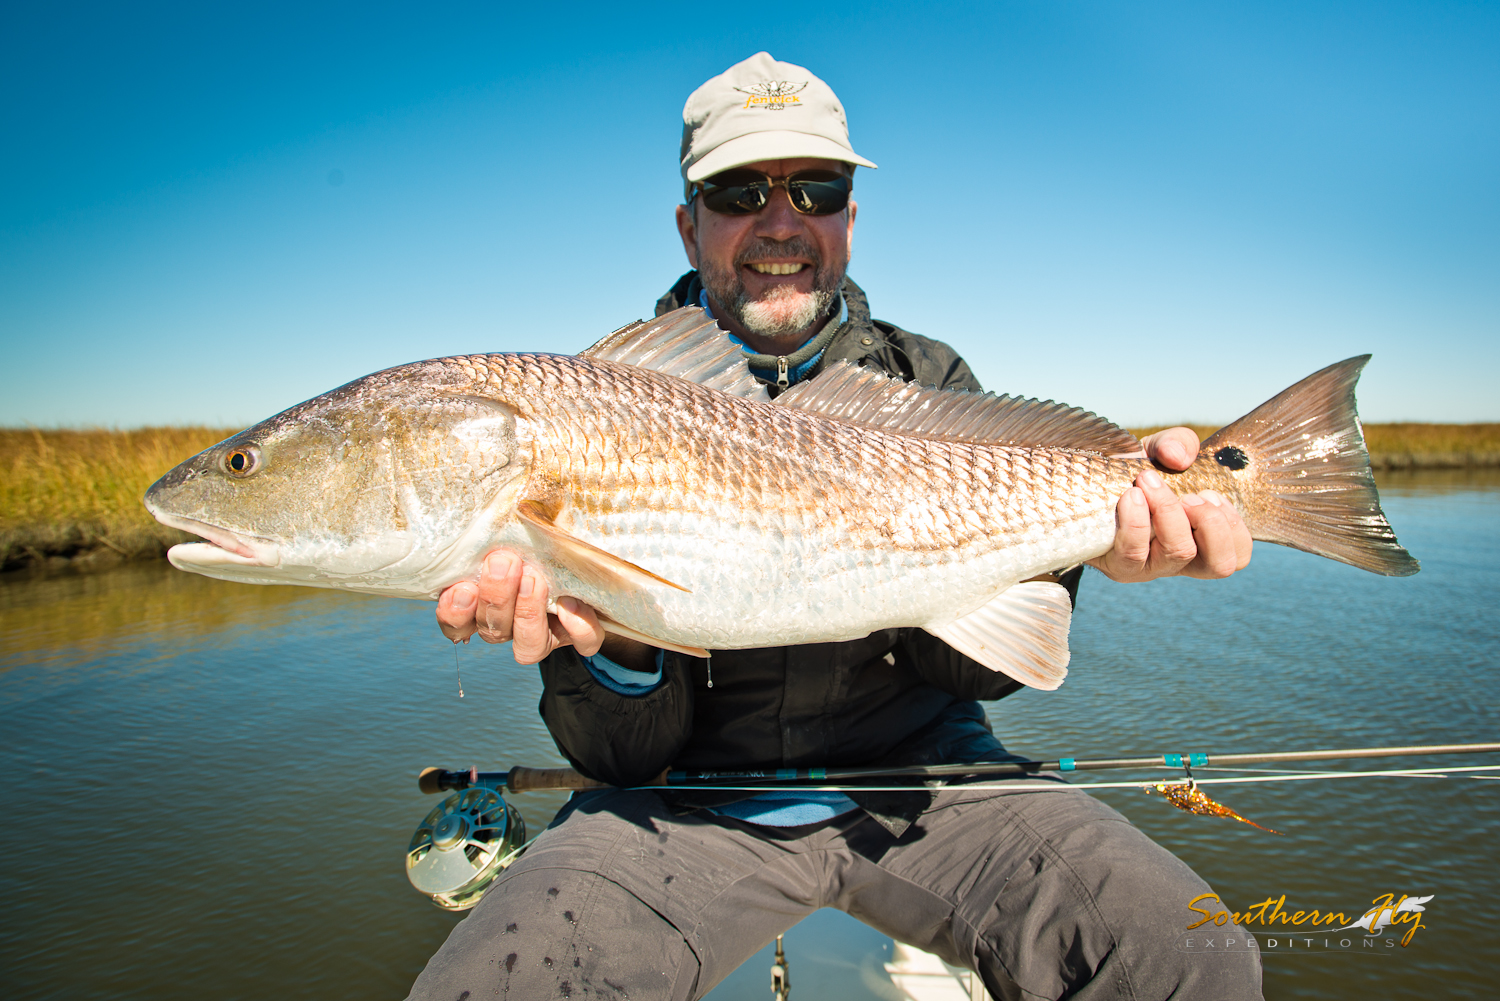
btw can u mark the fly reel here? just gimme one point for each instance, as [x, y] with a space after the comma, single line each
[462, 845]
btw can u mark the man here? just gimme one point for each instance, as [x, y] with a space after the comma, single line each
[643, 894]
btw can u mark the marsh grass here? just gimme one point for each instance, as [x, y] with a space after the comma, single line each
[1411, 445]
[1456, 440]
[66, 494]
[76, 495]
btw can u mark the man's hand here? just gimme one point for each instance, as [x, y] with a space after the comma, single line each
[509, 605]
[1158, 534]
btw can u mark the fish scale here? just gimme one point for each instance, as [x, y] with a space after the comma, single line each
[870, 483]
[884, 529]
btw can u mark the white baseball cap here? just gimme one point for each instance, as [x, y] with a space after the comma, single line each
[762, 109]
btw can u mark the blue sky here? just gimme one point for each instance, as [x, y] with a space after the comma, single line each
[1159, 211]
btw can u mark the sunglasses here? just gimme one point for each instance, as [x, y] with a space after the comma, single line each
[745, 192]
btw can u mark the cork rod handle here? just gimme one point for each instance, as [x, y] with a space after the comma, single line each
[518, 779]
[523, 779]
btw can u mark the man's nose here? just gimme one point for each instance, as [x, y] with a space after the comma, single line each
[778, 220]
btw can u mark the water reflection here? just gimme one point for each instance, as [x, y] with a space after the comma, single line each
[77, 616]
[212, 784]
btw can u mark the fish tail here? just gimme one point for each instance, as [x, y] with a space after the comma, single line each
[1299, 469]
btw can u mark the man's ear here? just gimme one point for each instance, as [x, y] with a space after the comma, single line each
[849, 233]
[687, 228]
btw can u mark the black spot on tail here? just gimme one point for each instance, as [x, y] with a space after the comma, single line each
[510, 962]
[1230, 457]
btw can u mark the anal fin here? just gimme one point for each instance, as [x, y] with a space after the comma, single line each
[585, 560]
[1022, 632]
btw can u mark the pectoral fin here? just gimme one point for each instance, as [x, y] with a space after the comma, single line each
[1022, 632]
[587, 562]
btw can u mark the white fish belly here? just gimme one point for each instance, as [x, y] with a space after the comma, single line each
[753, 587]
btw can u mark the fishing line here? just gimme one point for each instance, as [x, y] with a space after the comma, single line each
[438, 863]
[973, 775]
[1251, 770]
[458, 672]
[1021, 768]
[1434, 773]
[1439, 773]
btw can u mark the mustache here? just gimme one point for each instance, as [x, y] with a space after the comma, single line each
[765, 249]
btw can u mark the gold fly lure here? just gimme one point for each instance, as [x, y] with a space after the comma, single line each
[1189, 797]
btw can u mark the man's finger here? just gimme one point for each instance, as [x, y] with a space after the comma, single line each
[1133, 530]
[578, 625]
[1229, 548]
[498, 582]
[455, 610]
[531, 633]
[1174, 448]
[1127, 558]
[1216, 555]
[1244, 543]
[1173, 547]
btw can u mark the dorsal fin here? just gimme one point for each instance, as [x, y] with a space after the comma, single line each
[686, 343]
[852, 393]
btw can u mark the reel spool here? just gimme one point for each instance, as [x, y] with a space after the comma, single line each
[462, 845]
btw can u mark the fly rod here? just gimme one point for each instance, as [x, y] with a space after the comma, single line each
[523, 779]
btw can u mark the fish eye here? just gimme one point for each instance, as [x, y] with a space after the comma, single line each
[243, 461]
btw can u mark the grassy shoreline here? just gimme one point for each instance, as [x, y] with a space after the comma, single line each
[72, 498]
[1411, 445]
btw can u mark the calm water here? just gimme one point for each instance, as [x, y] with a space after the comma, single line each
[211, 785]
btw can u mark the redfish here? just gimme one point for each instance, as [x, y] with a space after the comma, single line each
[652, 477]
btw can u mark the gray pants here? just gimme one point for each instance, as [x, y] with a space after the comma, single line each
[1047, 894]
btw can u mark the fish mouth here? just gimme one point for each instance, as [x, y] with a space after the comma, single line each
[220, 545]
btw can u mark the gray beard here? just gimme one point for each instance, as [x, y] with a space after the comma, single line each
[785, 311]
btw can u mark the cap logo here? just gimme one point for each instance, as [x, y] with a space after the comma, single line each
[773, 95]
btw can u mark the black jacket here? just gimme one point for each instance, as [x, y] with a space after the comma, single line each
[898, 696]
